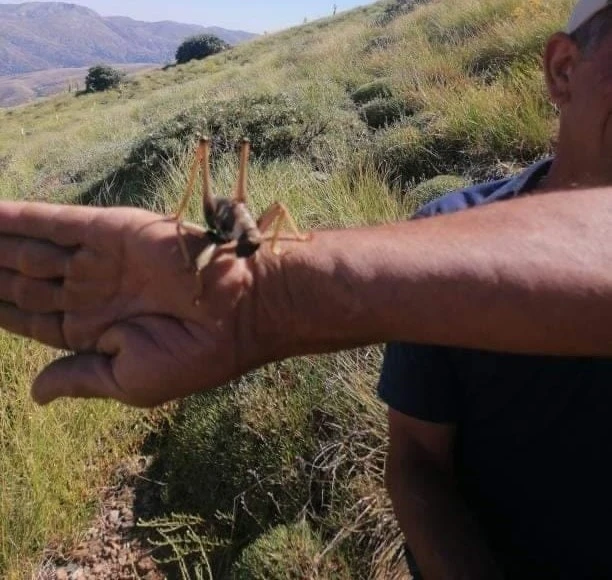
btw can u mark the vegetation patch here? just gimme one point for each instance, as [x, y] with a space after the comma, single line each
[431, 189]
[404, 155]
[392, 9]
[279, 126]
[383, 112]
[102, 78]
[289, 552]
[199, 47]
[229, 460]
[292, 454]
[378, 89]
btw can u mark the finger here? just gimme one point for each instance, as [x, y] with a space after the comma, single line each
[31, 295]
[66, 225]
[83, 376]
[35, 258]
[45, 328]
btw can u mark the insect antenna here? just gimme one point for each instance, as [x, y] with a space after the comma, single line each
[240, 195]
[208, 197]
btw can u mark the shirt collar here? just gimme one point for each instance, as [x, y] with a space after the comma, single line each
[526, 180]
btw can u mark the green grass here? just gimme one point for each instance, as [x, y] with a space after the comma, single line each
[51, 460]
[298, 446]
[299, 442]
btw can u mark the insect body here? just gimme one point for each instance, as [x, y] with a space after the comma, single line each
[229, 220]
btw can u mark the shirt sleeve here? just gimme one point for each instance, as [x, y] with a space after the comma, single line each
[418, 380]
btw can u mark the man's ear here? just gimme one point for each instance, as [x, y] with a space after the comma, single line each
[560, 57]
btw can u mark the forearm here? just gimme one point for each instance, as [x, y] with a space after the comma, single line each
[530, 275]
[440, 532]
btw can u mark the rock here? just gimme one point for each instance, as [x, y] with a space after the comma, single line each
[98, 569]
[145, 565]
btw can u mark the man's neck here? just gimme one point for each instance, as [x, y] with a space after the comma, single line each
[572, 169]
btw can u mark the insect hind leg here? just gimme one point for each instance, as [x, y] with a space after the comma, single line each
[278, 214]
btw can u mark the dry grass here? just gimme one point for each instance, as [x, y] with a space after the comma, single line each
[468, 72]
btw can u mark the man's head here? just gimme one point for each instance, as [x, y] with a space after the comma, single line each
[590, 23]
[578, 68]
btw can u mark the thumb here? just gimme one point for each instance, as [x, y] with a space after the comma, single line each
[80, 376]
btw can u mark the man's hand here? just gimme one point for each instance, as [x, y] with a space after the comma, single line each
[111, 286]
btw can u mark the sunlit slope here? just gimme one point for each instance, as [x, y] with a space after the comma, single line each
[459, 82]
[353, 119]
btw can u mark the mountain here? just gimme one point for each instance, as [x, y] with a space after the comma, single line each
[45, 35]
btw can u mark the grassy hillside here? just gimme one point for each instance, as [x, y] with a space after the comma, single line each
[355, 119]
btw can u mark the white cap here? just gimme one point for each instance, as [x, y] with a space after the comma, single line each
[584, 11]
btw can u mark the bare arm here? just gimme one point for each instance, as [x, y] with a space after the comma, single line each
[527, 275]
[441, 533]
[532, 275]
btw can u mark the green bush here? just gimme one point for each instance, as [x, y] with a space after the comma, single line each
[433, 188]
[404, 154]
[382, 112]
[376, 89]
[237, 458]
[289, 552]
[277, 126]
[102, 77]
[199, 47]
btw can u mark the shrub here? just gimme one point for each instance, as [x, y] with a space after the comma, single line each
[404, 154]
[278, 126]
[433, 188]
[199, 47]
[289, 552]
[382, 112]
[370, 91]
[101, 78]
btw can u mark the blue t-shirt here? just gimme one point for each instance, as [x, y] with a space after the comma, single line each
[534, 434]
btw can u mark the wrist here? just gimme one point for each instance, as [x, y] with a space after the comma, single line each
[313, 297]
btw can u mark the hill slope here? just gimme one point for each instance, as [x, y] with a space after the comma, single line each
[45, 35]
[354, 119]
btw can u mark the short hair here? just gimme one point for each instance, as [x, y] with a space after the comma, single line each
[590, 35]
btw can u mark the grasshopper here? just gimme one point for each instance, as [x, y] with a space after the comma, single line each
[228, 221]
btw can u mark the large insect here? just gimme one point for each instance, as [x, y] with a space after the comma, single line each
[228, 220]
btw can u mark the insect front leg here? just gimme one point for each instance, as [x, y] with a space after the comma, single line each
[240, 194]
[203, 259]
[183, 228]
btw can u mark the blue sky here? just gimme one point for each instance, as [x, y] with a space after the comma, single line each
[251, 15]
